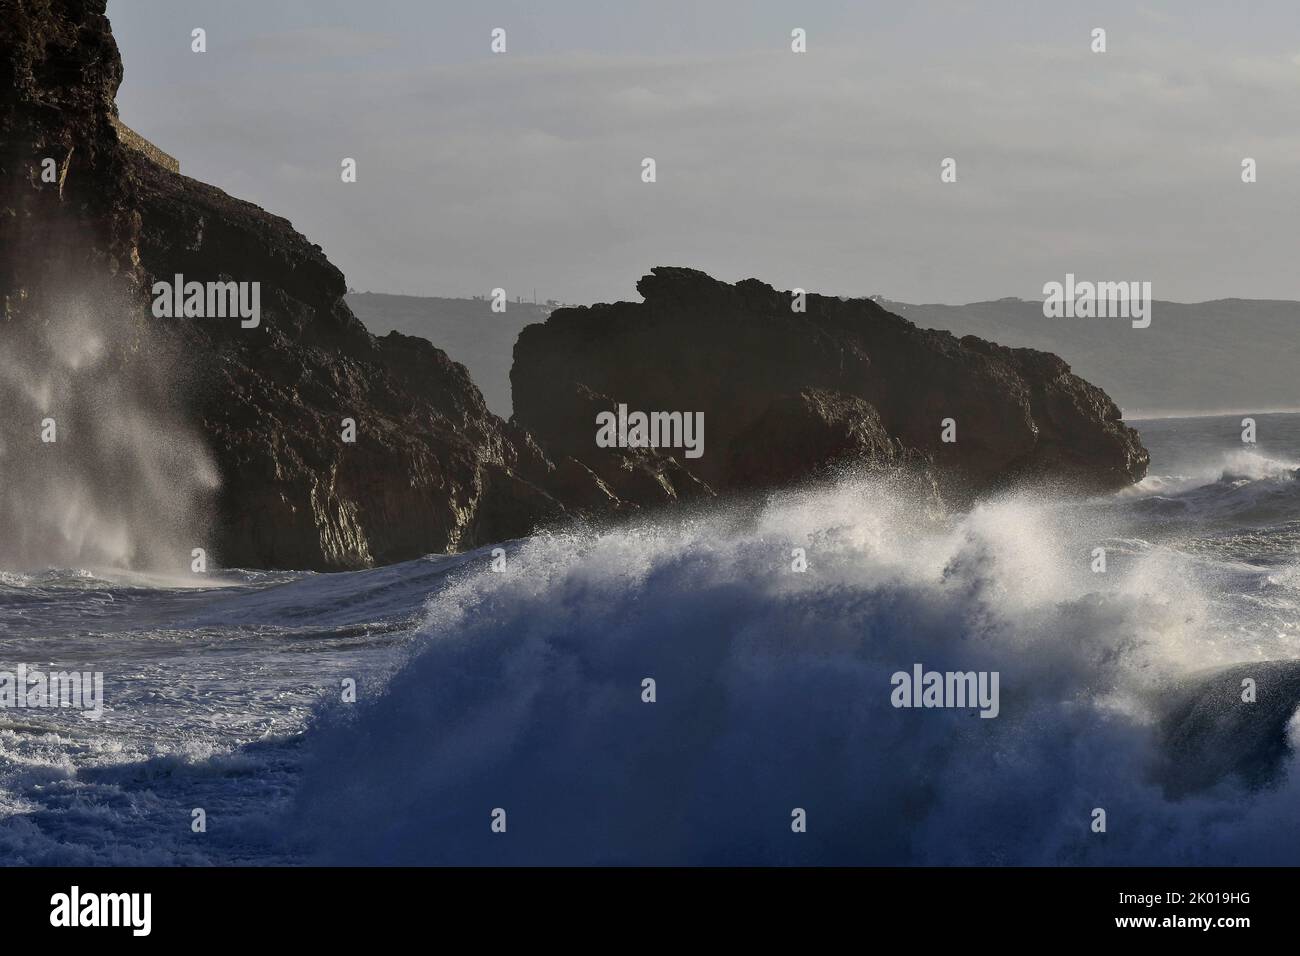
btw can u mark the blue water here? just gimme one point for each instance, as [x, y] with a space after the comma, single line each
[521, 690]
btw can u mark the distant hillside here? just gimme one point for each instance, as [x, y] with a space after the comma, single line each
[1227, 355]
[1222, 356]
[466, 329]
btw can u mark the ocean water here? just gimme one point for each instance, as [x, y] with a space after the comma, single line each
[521, 690]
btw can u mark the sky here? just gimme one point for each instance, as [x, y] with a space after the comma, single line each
[817, 170]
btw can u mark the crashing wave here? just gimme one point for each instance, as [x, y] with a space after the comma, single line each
[524, 694]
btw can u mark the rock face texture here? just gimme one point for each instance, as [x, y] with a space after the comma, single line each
[60, 72]
[431, 468]
[787, 393]
[784, 395]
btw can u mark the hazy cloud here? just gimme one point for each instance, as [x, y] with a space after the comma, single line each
[313, 43]
[819, 170]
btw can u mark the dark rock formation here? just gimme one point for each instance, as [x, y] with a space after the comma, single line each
[60, 71]
[464, 328]
[431, 469]
[786, 393]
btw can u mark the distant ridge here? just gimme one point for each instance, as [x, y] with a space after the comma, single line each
[466, 329]
[1221, 356]
[1225, 355]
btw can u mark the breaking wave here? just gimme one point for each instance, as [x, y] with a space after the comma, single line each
[1242, 488]
[523, 691]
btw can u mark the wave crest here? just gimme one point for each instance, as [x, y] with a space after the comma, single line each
[524, 693]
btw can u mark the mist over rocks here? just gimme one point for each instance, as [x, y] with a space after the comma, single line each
[787, 393]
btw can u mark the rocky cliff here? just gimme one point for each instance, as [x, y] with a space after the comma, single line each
[431, 468]
[786, 392]
[784, 395]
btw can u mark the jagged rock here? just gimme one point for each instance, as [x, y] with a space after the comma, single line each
[431, 470]
[786, 393]
[636, 477]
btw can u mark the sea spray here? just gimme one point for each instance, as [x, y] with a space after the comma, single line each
[98, 466]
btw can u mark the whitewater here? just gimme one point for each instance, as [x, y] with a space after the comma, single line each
[521, 689]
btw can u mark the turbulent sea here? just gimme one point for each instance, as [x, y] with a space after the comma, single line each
[522, 689]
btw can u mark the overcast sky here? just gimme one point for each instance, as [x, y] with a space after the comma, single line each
[818, 170]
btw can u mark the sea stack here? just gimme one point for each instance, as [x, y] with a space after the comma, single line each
[792, 385]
